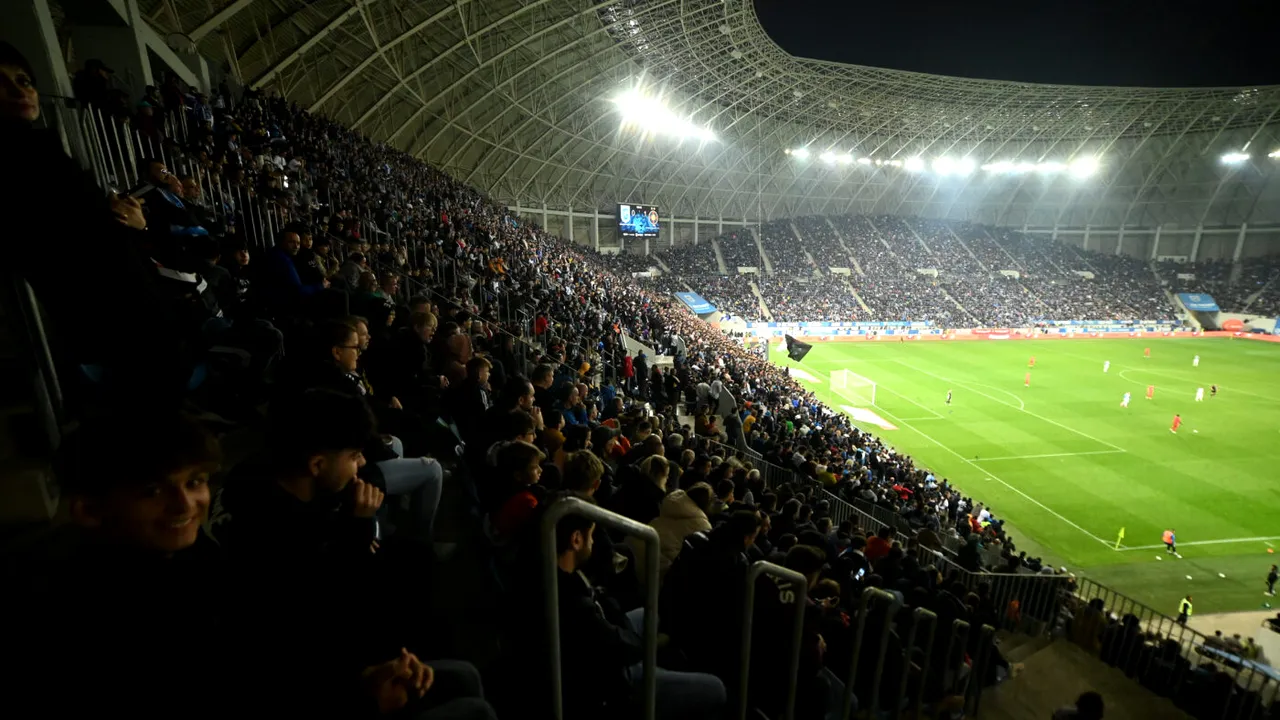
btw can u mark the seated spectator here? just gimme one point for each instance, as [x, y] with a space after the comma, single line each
[878, 546]
[682, 513]
[136, 539]
[471, 399]
[602, 650]
[641, 495]
[517, 493]
[723, 498]
[575, 413]
[283, 291]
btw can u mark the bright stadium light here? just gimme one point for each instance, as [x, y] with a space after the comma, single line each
[966, 167]
[944, 166]
[1234, 158]
[1083, 167]
[828, 157]
[915, 164]
[651, 115]
[800, 153]
[844, 159]
[1274, 154]
[864, 161]
[1050, 167]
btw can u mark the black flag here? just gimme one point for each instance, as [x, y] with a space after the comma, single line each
[796, 350]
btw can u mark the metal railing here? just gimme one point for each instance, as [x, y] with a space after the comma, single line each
[870, 598]
[1138, 649]
[551, 577]
[800, 596]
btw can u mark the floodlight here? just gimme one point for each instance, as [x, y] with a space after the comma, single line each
[864, 161]
[1083, 167]
[915, 164]
[802, 153]
[966, 167]
[651, 114]
[845, 159]
[828, 157]
[944, 166]
[1274, 154]
[1235, 158]
[1051, 166]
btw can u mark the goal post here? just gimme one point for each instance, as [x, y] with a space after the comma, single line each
[854, 387]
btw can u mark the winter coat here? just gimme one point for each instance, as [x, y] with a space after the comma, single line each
[678, 518]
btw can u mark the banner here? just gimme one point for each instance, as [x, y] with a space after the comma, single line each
[1198, 302]
[695, 302]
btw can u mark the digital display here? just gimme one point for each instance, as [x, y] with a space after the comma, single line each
[640, 221]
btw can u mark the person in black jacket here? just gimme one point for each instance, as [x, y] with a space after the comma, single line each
[602, 649]
[471, 401]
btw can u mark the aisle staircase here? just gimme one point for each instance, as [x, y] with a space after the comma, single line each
[840, 239]
[764, 257]
[720, 263]
[856, 296]
[1055, 673]
[755, 290]
[662, 265]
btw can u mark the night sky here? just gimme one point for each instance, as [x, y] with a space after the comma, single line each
[1174, 43]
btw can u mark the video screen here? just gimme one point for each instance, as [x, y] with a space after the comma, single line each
[637, 220]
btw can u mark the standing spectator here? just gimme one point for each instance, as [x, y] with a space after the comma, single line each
[1272, 576]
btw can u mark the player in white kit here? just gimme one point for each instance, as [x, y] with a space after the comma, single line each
[1195, 361]
[1125, 401]
[1106, 366]
[1199, 394]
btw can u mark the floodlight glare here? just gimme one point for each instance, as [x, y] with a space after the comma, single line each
[966, 167]
[802, 153]
[915, 164]
[1083, 167]
[944, 166]
[1274, 154]
[845, 159]
[651, 115]
[828, 157]
[1235, 158]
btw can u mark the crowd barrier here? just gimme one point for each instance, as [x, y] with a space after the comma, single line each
[1255, 680]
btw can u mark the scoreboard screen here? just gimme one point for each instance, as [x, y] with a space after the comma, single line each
[637, 221]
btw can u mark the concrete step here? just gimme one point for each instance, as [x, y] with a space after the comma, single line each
[1057, 673]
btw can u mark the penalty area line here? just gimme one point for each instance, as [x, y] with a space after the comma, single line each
[1226, 541]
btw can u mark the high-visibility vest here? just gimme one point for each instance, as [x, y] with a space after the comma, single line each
[1168, 536]
[1185, 607]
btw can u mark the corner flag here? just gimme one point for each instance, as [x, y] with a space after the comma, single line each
[1120, 539]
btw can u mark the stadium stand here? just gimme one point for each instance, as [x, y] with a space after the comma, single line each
[429, 387]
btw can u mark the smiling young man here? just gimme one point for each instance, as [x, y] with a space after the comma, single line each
[139, 582]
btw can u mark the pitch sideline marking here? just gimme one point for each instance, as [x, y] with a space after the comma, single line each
[1051, 455]
[1113, 446]
[1203, 542]
[1166, 373]
[1033, 501]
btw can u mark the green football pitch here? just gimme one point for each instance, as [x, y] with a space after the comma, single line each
[1067, 467]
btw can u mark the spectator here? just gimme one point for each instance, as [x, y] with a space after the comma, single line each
[1087, 707]
[682, 513]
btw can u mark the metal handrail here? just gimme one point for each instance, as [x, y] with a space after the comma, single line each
[918, 616]
[870, 596]
[981, 659]
[550, 576]
[800, 585]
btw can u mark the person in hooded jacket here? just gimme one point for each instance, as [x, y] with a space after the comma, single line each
[682, 513]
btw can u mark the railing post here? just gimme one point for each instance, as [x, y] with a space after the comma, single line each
[869, 597]
[551, 578]
[800, 586]
[982, 659]
[918, 616]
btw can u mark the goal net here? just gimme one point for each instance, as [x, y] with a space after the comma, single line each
[853, 387]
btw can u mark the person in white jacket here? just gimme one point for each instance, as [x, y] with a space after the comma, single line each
[683, 513]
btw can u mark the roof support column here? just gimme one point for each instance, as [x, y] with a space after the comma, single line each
[1054, 236]
[1120, 241]
[1086, 236]
[720, 225]
[595, 232]
[1155, 244]
[544, 217]
[568, 230]
[1244, 229]
[1195, 244]
[695, 231]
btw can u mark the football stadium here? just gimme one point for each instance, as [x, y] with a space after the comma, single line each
[562, 360]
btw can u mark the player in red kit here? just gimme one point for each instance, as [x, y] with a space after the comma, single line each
[1151, 391]
[1146, 352]
[1027, 380]
[1032, 361]
[1177, 422]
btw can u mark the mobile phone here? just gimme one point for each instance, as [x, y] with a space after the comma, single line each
[861, 572]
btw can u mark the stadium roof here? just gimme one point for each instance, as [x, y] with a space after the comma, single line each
[515, 96]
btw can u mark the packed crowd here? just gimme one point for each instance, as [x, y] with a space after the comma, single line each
[820, 238]
[408, 340]
[786, 252]
[731, 294]
[739, 250]
[1214, 278]
[824, 298]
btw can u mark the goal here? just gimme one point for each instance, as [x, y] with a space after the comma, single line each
[853, 387]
